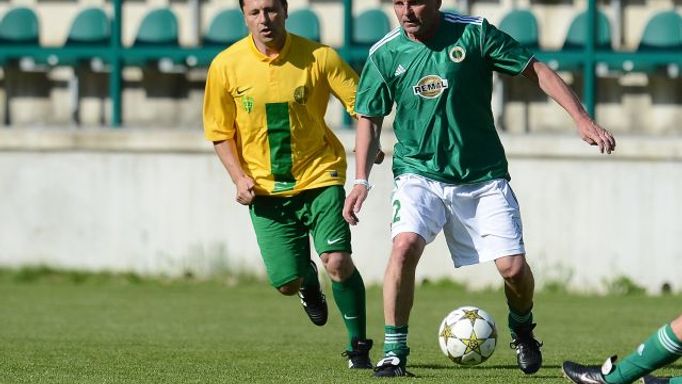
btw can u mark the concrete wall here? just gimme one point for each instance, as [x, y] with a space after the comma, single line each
[157, 201]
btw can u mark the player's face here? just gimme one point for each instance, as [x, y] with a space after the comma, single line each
[265, 20]
[418, 18]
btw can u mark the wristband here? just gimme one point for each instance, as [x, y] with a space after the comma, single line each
[363, 182]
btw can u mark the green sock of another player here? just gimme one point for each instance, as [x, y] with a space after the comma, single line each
[350, 299]
[395, 342]
[661, 349]
[516, 320]
[676, 380]
[310, 279]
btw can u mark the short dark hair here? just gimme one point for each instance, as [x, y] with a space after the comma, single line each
[283, 2]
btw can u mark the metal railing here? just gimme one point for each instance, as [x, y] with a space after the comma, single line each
[116, 55]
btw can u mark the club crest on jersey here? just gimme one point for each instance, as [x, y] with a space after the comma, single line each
[457, 54]
[430, 86]
[301, 94]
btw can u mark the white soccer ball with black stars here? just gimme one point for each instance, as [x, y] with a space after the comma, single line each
[468, 335]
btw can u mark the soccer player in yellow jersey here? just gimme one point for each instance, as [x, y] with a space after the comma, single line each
[264, 106]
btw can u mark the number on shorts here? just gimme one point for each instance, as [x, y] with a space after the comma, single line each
[396, 211]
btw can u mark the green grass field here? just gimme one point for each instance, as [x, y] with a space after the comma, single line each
[73, 328]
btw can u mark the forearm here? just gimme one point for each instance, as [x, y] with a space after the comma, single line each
[227, 153]
[366, 145]
[555, 87]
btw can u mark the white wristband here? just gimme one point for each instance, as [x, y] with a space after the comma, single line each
[363, 182]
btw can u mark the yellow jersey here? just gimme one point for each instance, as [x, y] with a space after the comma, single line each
[274, 110]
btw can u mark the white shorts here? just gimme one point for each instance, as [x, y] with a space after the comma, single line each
[481, 222]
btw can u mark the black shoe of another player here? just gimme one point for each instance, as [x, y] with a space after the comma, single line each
[588, 374]
[315, 305]
[358, 358]
[655, 380]
[528, 354]
[391, 366]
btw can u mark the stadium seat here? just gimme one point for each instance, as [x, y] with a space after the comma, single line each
[225, 28]
[305, 23]
[159, 28]
[576, 38]
[663, 32]
[90, 27]
[522, 25]
[19, 26]
[370, 26]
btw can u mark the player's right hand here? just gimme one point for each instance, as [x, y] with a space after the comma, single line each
[245, 193]
[353, 204]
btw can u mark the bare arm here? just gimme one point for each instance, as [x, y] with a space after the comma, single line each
[366, 143]
[557, 89]
[227, 152]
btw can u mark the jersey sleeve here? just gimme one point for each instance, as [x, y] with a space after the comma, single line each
[219, 106]
[374, 97]
[504, 53]
[342, 80]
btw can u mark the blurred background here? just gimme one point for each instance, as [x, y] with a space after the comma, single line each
[103, 166]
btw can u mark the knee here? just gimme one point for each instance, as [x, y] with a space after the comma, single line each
[407, 250]
[338, 265]
[514, 269]
[291, 288]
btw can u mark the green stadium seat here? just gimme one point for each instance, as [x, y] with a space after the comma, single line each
[90, 27]
[662, 33]
[576, 39]
[159, 28]
[522, 25]
[370, 26]
[19, 26]
[226, 28]
[305, 23]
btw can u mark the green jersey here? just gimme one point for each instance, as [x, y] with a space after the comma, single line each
[442, 89]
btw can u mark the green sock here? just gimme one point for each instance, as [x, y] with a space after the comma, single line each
[661, 349]
[516, 319]
[676, 380]
[395, 342]
[310, 279]
[350, 299]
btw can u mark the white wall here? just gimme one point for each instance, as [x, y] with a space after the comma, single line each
[157, 201]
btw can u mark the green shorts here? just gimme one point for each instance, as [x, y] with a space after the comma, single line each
[282, 226]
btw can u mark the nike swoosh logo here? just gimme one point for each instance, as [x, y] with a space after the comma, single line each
[240, 92]
[349, 317]
[330, 242]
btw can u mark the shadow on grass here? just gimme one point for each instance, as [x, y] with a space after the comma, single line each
[479, 367]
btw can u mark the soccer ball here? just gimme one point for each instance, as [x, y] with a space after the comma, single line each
[468, 335]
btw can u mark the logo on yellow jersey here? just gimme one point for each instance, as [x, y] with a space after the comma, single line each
[430, 86]
[247, 103]
[301, 94]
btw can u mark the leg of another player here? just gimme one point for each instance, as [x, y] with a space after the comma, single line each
[399, 292]
[662, 348]
[349, 293]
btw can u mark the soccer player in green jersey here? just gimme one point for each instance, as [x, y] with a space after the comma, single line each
[659, 350]
[449, 164]
[264, 107]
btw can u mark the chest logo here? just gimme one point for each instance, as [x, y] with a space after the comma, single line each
[247, 103]
[457, 54]
[430, 86]
[301, 94]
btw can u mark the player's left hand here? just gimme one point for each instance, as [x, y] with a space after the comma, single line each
[353, 203]
[593, 134]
